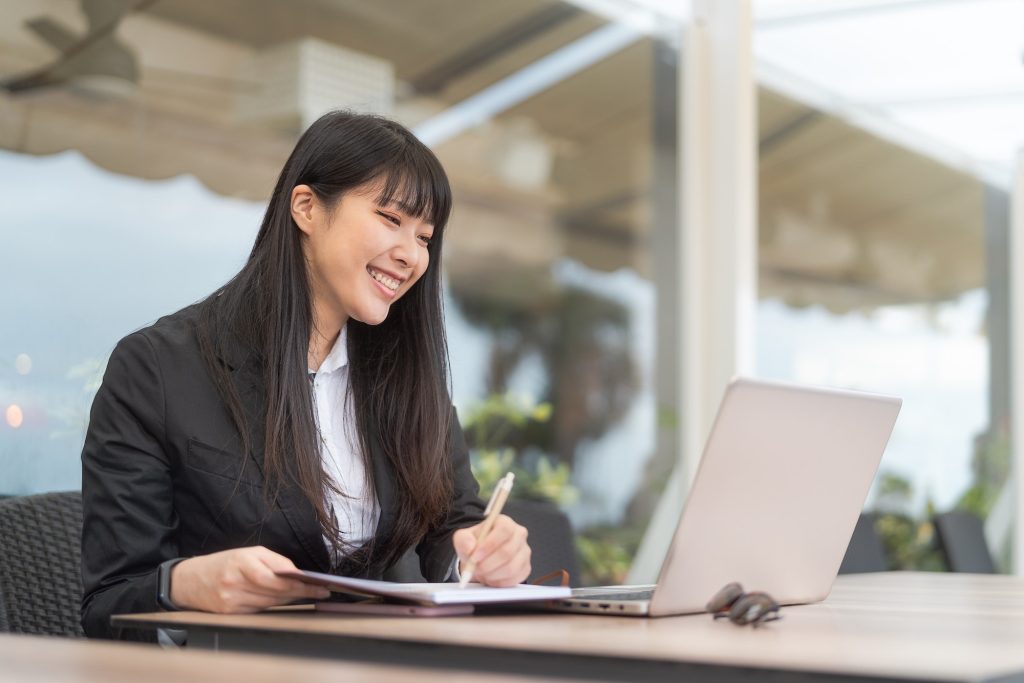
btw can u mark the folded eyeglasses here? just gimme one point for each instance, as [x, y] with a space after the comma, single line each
[743, 608]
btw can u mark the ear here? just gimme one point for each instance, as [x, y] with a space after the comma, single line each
[304, 207]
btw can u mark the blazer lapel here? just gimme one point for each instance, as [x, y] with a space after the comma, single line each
[296, 508]
[384, 486]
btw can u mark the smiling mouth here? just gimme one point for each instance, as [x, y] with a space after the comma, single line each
[385, 280]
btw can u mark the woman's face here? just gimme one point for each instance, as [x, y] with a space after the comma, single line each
[362, 257]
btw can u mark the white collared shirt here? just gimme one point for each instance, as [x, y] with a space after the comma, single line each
[357, 511]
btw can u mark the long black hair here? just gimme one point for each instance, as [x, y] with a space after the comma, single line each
[398, 370]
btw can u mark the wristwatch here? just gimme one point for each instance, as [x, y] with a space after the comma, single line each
[163, 584]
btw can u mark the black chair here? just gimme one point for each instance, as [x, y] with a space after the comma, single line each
[865, 552]
[40, 556]
[961, 537]
[406, 570]
[551, 539]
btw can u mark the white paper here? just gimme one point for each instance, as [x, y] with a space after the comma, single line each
[432, 593]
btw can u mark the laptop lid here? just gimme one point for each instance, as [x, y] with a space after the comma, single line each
[784, 476]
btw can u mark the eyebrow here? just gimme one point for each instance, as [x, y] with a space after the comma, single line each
[404, 208]
[401, 206]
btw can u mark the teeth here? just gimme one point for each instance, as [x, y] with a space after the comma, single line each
[388, 282]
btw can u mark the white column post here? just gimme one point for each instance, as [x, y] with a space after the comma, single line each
[718, 240]
[1017, 361]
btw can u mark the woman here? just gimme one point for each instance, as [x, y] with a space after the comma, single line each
[300, 416]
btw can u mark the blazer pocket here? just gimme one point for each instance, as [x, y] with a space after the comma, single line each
[210, 460]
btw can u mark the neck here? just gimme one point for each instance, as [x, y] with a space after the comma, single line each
[324, 333]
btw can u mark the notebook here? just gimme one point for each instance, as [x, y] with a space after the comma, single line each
[785, 473]
[430, 594]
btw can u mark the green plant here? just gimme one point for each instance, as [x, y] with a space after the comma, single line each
[990, 469]
[606, 554]
[909, 543]
[908, 538]
[581, 339]
[494, 430]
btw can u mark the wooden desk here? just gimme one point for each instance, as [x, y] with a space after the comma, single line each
[35, 659]
[892, 626]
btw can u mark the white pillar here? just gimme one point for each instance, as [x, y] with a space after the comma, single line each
[718, 244]
[1017, 360]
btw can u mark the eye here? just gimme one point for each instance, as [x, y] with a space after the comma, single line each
[394, 219]
[426, 240]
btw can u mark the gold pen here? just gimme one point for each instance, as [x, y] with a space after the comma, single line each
[494, 506]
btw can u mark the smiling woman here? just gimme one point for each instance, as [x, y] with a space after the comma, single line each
[365, 235]
[211, 464]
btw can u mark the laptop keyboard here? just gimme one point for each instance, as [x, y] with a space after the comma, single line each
[623, 595]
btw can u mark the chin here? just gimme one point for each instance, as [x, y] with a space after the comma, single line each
[374, 318]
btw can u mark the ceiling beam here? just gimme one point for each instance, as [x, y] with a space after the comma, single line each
[492, 47]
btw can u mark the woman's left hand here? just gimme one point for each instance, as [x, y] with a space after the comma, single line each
[503, 559]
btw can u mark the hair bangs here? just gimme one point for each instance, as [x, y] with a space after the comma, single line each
[418, 185]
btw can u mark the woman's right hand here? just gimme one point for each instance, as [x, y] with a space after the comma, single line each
[237, 581]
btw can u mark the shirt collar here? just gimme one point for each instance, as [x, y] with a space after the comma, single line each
[338, 357]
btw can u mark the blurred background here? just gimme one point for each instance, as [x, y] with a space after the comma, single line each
[139, 142]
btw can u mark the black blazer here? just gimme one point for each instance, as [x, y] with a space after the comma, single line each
[162, 477]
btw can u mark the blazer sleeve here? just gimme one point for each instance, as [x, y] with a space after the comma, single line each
[129, 522]
[436, 552]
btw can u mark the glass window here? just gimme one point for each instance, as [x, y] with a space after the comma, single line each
[135, 175]
[883, 235]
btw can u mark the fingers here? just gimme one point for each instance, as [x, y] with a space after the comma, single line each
[496, 541]
[259, 575]
[261, 581]
[501, 533]
[464, 541]
[246, 597]
[283, 586]
[244, 601]
[503, 558]
[275, 561]
[245, 580]
[507, 566]
[514, 572]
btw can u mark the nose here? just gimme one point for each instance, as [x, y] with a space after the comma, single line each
[407, 251]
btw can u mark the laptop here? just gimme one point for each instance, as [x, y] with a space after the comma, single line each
[784, 476]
